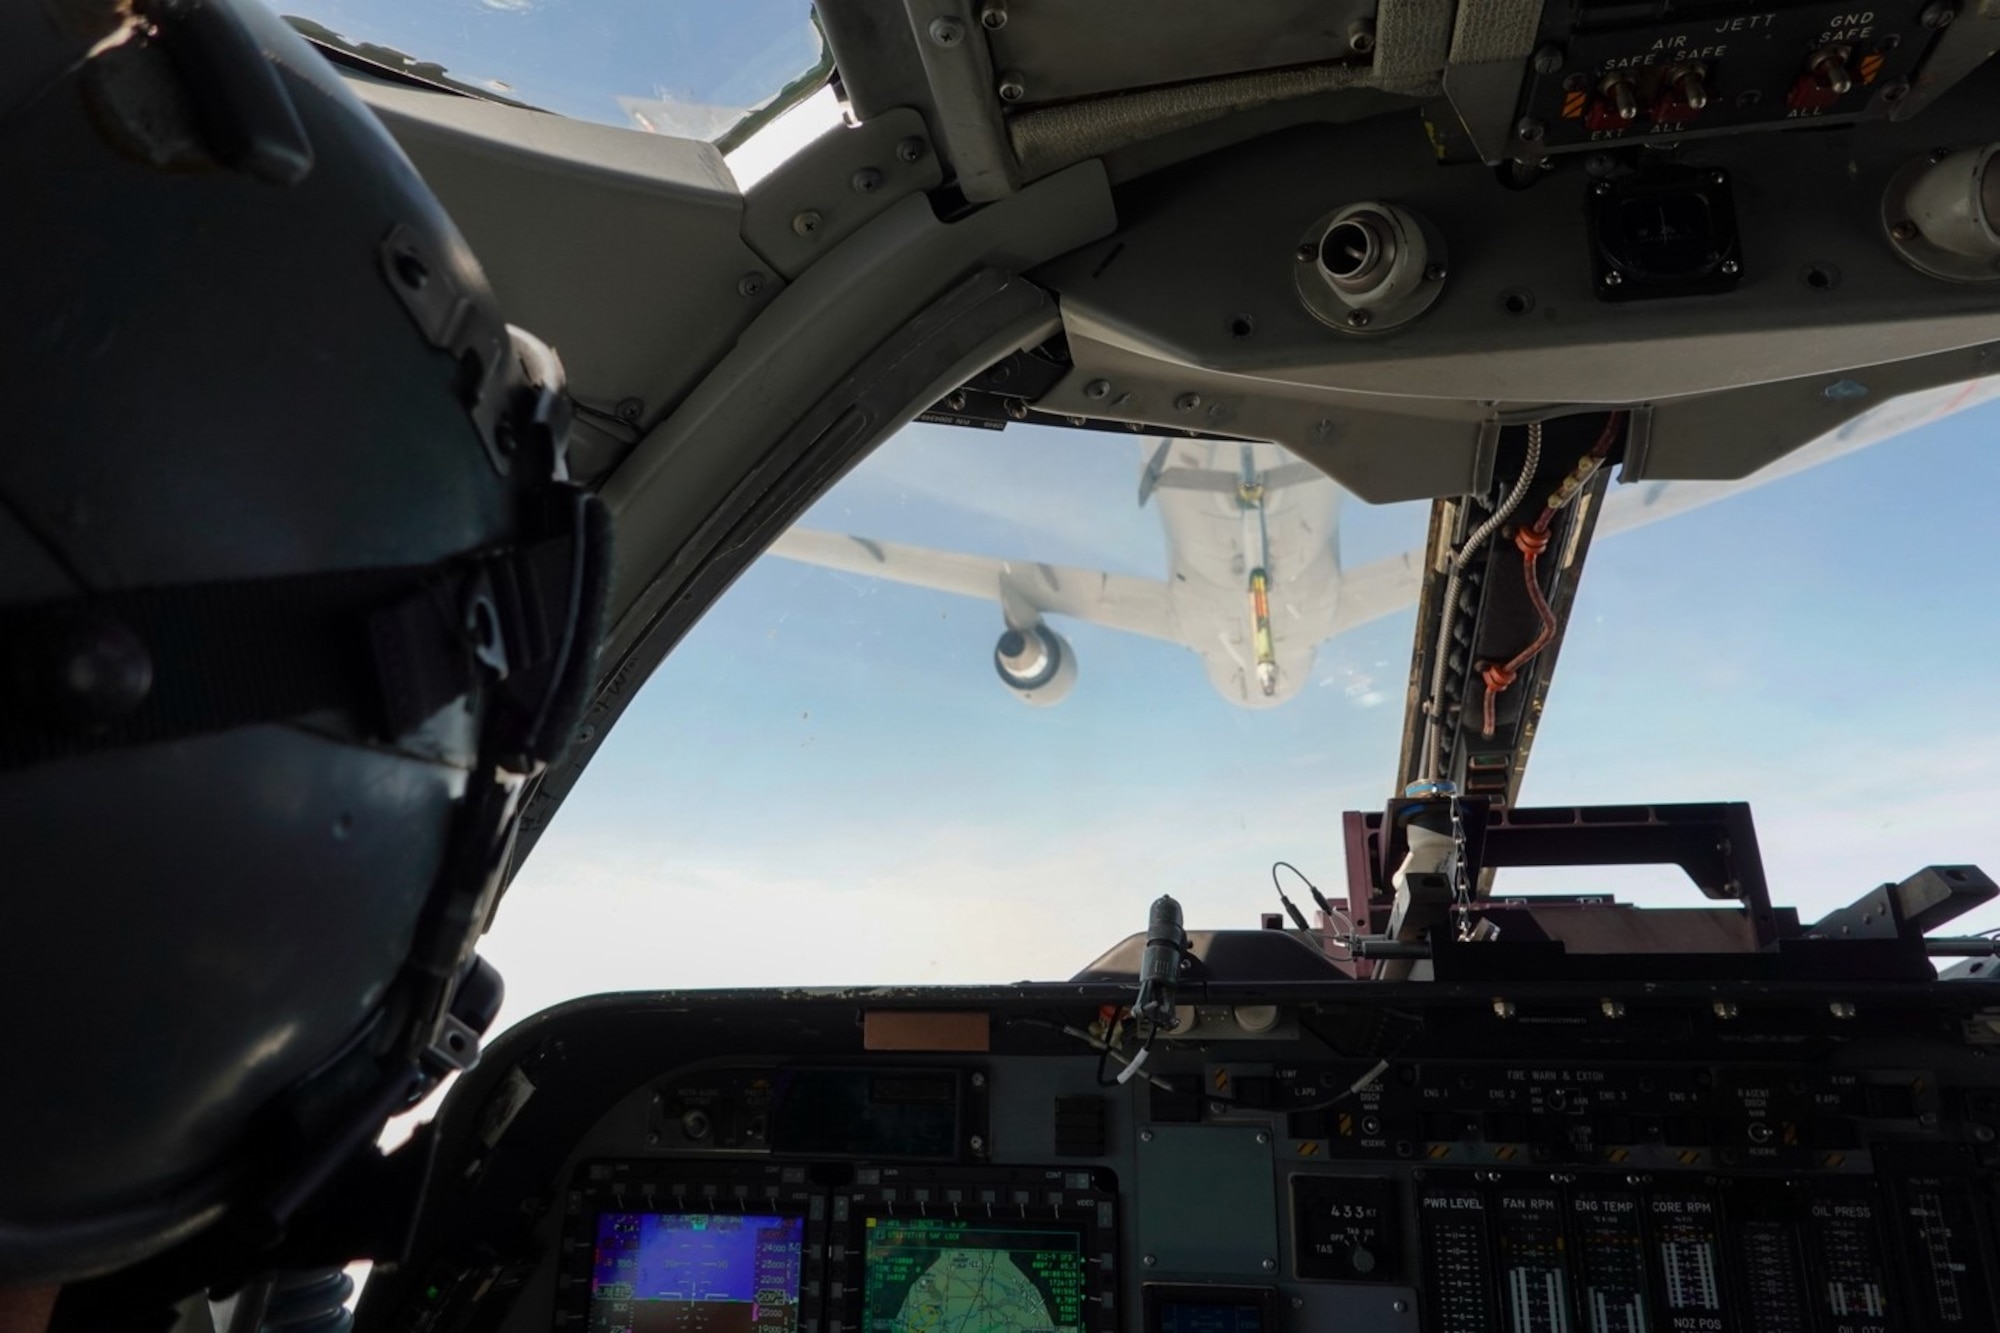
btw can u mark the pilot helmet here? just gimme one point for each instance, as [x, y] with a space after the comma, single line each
[295, 600]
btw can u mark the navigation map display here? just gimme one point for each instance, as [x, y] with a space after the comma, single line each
[951, 1275]
[696, 1273]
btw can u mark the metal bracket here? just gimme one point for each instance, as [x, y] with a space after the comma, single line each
[817, 199]
[1918, 905]
[959, 69]
[454, 1047]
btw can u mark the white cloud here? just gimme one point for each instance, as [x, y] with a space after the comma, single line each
[968, 904]
[994, 902]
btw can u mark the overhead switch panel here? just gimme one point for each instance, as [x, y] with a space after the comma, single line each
[1602, 78]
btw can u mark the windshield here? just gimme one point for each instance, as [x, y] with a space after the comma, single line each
[829, 782]
[683, 67]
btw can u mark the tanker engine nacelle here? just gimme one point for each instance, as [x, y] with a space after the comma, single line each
[1037, 664]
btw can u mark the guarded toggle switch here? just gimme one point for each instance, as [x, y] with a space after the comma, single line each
[1617, 104]
[1826, 80]
[1683, 95]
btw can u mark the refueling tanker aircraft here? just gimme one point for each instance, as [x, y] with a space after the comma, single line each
[1254, 579]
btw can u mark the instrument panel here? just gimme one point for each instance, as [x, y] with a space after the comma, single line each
[1412, 1166]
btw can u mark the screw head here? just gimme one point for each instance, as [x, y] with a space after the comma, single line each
[1905, 230]
[993, 15]
[1937, 15]
[1612, 1008]
[1725, 1009]
[976, 1143]
[1361, 36]
[1148, 1260]
[979, 1080]
[911, 149]
[1097, 389]
[1613, 280]
[1841, 1009]
[1529, 130]
[1017, 408]
[1548, 59]
[808, 223]
[1012, 87]
[1895, 90]
[1305, 253]
[1262, 1137]
[1576, 83]
[750, 284]
[1270, 1265]
[1145, 1136]
[1731, 268]
[1434, 272]
[1400, 1306]
[1187, 402]
[630, 409]
[947, 31]
[1601, 189]
[1503, 1009]
[1358, 319]
[866, 181]
[1298, 1303]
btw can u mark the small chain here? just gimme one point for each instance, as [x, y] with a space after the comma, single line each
[1461, 891]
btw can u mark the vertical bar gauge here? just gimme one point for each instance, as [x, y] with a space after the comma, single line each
[1766, 1269]
[1454, 1224]
[1686, 1261]
[1610, 1255]
[1848, 1274]
[1534, 1261]
[1942, 1253]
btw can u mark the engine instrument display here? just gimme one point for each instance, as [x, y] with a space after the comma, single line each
[696, 1273]
[924, 1273]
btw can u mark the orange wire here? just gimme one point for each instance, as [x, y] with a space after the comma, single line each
[1532, 541]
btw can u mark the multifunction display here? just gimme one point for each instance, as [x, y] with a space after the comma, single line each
[696, 1273]
[927, 1274]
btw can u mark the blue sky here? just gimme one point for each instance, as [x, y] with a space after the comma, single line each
[827, 784]
[577, 57]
